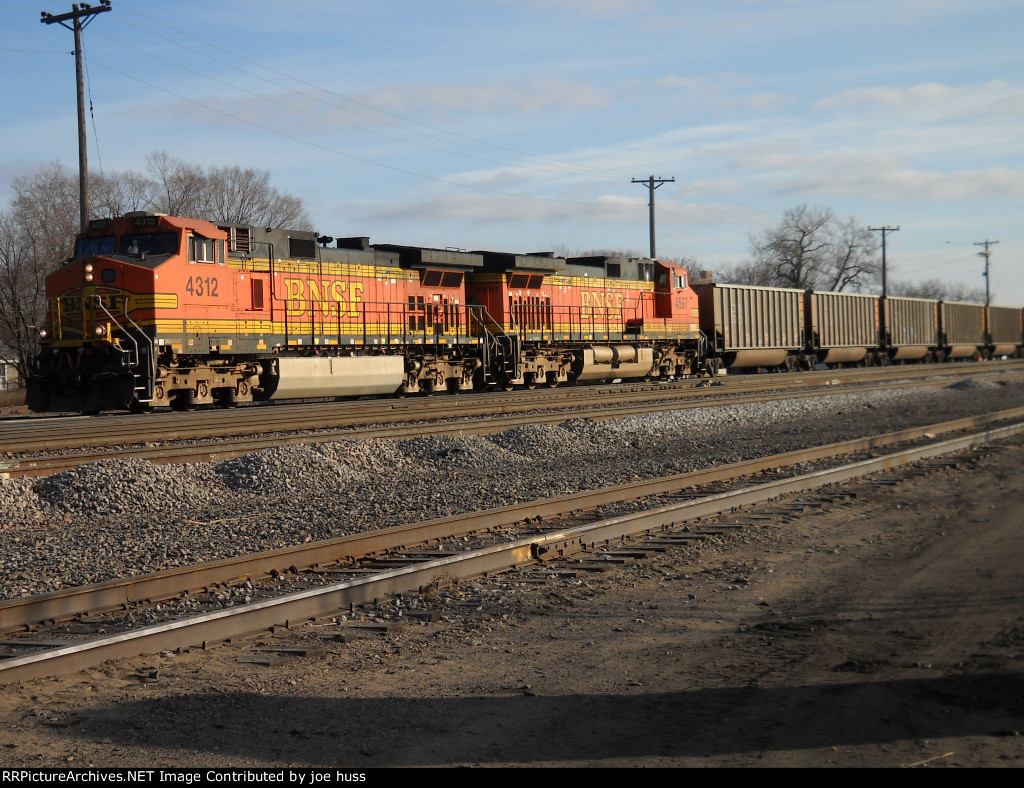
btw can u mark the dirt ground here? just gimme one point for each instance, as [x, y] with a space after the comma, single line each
[883, 632]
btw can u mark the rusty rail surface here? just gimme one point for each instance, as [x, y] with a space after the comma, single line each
[308, 605]
[212, 438]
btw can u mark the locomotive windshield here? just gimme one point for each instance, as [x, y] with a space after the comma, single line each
[102, 244]
[150, 243]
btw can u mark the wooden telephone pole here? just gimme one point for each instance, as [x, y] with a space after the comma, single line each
[79, 16]
[653, 183]
[985, 254]
[884, 231]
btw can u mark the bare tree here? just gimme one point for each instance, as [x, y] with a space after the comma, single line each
[812, 249]
[22, 293]
[794, 251]
[45, 212]
[222, 194]
[245, 196]
[750, 272]
[852, 260]
[938, 290]
[120, 193]
[179, 188]
[37, 235]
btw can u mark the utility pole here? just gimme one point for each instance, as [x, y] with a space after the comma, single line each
[653, 183]
[986, 243]
[884, 231]
[78, 13]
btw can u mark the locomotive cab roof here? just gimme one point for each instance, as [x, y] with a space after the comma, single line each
[143, 238]
[611, 267]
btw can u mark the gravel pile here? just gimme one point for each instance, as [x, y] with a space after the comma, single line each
[128, 516]
[450, 452]
[126, 487]
[536, 440]
[19, 503]
[293, 468]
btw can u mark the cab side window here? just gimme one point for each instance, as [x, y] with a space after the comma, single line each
[205, 250]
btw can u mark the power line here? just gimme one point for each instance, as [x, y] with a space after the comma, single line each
[537, 162]
[329, 149]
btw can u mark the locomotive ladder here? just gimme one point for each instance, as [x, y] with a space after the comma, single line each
[498, 347]
[134, 357]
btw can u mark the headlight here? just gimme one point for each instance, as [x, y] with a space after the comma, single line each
[88, 268]
[100, 330]
[43, 333]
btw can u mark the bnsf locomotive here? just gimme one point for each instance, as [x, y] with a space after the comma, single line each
[160, 311]
[157, 311]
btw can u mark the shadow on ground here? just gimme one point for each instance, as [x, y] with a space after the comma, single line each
[527, 729]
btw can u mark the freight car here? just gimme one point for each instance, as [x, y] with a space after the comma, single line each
[765, 328]
[1003, 326]
[161, 311]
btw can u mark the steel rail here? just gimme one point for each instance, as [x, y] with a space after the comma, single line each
[168, 584]
[80, 431]
[216, 449]
[300, 607]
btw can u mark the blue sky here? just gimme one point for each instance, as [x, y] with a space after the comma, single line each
[519, 125]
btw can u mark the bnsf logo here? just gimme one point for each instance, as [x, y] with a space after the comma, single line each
[75, 307]
[599, 302]
[330, 297]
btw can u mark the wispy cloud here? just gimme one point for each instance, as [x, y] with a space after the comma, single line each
[590, 8]
[531, 96]
[997, 97]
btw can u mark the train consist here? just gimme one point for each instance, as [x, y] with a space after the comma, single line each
[161, 311]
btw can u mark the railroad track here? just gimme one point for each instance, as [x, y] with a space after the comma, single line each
[217, 435]
[402, 560]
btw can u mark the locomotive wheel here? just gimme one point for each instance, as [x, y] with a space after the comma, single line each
[183, 402]
[225, 398]
[140, 407]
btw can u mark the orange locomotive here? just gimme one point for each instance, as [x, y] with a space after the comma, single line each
[159, 311]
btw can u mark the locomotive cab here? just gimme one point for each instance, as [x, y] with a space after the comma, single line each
[95, 352]
[112, 308]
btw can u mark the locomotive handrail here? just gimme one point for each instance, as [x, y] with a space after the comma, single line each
[99, 301]
[151, 372]
[447, 316]
[59, 321]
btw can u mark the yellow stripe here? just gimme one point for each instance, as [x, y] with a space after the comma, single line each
[153, 301]
[325, 268]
